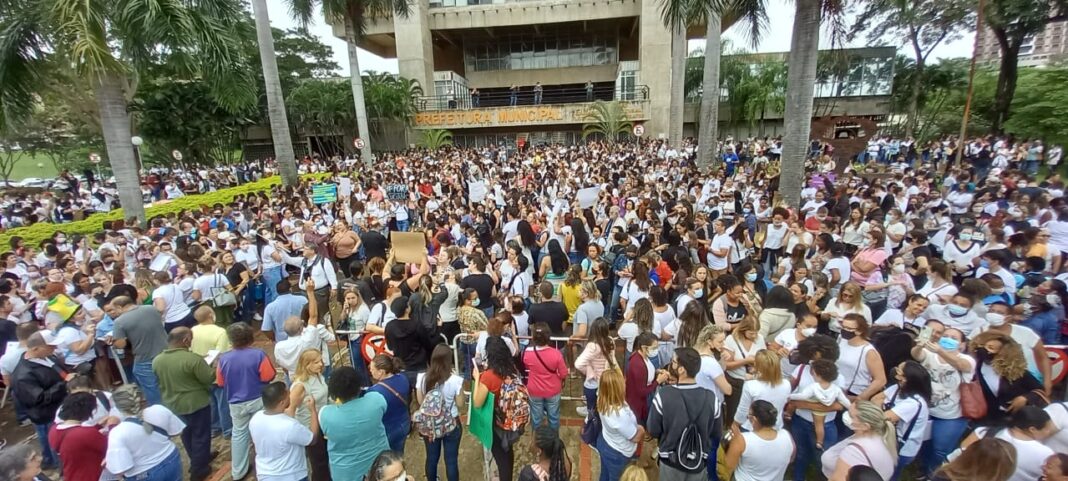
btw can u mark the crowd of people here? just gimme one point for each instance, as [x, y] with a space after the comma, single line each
[893, 323]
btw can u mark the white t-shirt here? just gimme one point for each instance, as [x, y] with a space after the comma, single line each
[896, 318]
[841, 264]
[174, 299]
[99, 413]
[740, 352]
[1058, 413]
[788, 339]
[719, 241]
[757, 465]
[945, 384]
[907, 409]
[706, 378]
[209, 285]
[619, 427]
[1030, 455]
[1027, 339]
[288, 352]
[280, 441]
[449, 389]
[67, 335]
[754, 390]
[633, 293]
[629, 331]
[132, 451]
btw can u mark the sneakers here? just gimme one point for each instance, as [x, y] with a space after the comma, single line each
[257, 317]
[582, 411]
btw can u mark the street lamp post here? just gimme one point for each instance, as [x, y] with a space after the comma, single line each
[137, 141]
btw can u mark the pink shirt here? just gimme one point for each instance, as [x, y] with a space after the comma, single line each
[547, 371]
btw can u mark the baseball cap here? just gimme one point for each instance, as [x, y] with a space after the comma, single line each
[42, 338]
[63, 306]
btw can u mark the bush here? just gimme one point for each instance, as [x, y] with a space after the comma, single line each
[35, 233]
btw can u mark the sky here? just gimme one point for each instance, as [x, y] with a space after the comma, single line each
[777, 38]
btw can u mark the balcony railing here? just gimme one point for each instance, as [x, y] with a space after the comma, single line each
[527, 97]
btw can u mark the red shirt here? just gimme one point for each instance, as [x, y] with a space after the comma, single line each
[82, 449]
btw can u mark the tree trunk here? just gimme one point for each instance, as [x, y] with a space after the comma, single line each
[115, 125]
[678, 81]
[800, 87]
[276, 105]
[357, 93]
[1006, 87]
[709, 120]
[914, 99]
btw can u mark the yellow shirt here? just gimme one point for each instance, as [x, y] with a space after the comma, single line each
[207, 337]
[570, 296]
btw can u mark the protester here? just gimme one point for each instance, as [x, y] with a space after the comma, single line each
[675, 411]
[77, 440]
[140, 446]
[392, 382]
[500, 369]
[440, 395]
[279, 439]
[873, 443]
[547, 371]
[186, 381]
[988, 458]
[553, 463]
[140, 328]
[309, 388]
[621, 431]
[1026, 430]
[40, 386]
[243, 372]
[748, 456]
[353, 426]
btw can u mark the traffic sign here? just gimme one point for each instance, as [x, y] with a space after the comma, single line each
[639, 130]
[358, 143]
[177, 154]
[94, 158]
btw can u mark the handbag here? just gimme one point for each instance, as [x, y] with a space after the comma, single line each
[223, 298]
[591, 430]
[972, 402]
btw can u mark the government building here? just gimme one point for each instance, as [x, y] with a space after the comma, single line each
[526, 71]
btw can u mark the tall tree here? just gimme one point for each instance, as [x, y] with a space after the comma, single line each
[276, 104]
[106, 41]
[925, 24]
[353, 14]
[1013, 22]
[678, 14]
[800, 92]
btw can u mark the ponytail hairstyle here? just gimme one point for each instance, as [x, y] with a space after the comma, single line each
[388, 364]
[552, 448]
[871, 414]
[764, 412]
[129, 401]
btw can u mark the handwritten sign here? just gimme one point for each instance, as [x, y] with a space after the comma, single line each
[397, 191]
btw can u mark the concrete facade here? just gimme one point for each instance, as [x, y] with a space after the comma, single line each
[1049, 46]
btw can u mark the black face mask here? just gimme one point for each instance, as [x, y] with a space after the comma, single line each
[796, 358]
[983, 356]
[848, 335]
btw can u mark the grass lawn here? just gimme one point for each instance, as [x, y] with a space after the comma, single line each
[30, 166]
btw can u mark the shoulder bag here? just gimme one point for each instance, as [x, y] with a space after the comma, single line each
[972, 401]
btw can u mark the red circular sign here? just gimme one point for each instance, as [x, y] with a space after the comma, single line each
[373, 345]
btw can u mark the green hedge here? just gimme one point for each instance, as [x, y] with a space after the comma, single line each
[35, 233]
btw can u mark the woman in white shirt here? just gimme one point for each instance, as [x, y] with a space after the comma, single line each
[739, 358]
[855, 228]
[774, 237]
[849, 301]
[749, 453]
[860, 366]
[441, 376]
[169, 300]
[767, 384]
[1028, 428]
[140, 446]
[906, 405]
[620, 431]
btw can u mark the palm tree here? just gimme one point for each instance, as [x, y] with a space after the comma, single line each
[766, 90]
[106, 41]
[353, 14]
[680, 14]
[607, 119]
[276, 104]
[434, 139]
[800, 92]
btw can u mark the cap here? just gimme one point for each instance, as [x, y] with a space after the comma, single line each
[63, 306]
[42, 338]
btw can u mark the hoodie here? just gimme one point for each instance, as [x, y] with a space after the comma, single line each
[775, 320]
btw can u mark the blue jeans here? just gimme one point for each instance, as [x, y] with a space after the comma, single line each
[710, 465]
[945, 437]
[220, 412]
[575, 257]
[451, 443]
[396, 434]
[271, 276]
[170, 469]
[48, 457]
[356, 358]
[147, 381]
[613, 305]
[467, 354]
[612, 461]
[547, 406]
[402, 225]
[804, 433]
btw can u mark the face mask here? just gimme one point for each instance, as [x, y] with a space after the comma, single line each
[752, 276]
[1027, 310]
[899, 269]
[949, 344]
[847, 419]
[474, 303]
[747, 210]
[995, 319]
[848, 335]
[1053, 299]
[982, 355]
[34, 274]
[997, 292]
[808, 331]
[957, 311]
[699, 293]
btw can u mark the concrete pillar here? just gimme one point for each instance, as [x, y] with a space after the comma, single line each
[678, 81]
[655, 67]
[415, 48]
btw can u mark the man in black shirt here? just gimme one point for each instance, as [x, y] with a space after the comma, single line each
[374, 243]
[482, 283]
[551, 312]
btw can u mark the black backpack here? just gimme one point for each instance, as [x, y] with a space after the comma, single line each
[690, 454]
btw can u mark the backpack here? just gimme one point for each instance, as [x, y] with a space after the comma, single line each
[513, 405]
[612, 253]
[434, 419]
[690, 454]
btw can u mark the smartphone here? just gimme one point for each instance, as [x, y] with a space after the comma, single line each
[925, 335]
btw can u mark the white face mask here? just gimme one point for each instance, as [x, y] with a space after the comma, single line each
[808, 331]
[899, 268]
[1053, 299]
[995, 319]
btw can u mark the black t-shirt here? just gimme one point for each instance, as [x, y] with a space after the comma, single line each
[374, 244]
[604, 286]
[7, 334]
[481, 283]
[234, 274]
[552, 313]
